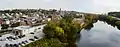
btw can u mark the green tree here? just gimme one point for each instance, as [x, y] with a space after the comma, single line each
[45, 42]
[110, 18]
[59, 34]
[118, 24]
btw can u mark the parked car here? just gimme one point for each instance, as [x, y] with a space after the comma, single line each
[16, 45]
[19, 43]
[11, 45]
[31, 33]
[26, 41]
[14, 39]
[0, 35]
[7, 45]
[23, 42]
[35, 37]
[31, 39]
[19, 37]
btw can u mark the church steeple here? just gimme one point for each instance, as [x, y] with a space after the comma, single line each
[60, 9]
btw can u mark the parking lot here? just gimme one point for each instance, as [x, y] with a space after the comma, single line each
[9, 40]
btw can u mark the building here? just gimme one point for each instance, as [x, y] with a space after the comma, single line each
[22, 30]
[1, 21]
[7, 22]
[23, 23]
[48, 19]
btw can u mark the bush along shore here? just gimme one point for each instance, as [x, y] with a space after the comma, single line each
[111, 20]
[62, 33]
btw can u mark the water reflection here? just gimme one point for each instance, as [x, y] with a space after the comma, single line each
[101, 35]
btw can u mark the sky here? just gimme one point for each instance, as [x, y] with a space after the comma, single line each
[90, 6]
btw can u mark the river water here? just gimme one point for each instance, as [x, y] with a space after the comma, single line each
[101, 35]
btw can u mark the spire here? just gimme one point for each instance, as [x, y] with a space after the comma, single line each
[60, 9]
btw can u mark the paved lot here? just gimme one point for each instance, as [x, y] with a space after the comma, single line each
[4, 40]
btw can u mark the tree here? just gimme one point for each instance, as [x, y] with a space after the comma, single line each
[45, 42]
[59, 34]
[59, 31]
[118, 24]
[110, 18]
[53, 30]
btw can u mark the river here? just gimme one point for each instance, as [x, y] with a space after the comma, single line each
[101, 35]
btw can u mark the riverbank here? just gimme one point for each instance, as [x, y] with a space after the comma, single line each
[113, 21]
[85, 41]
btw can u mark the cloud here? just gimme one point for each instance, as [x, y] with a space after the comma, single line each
[107, 2]
[106, 5]
[65, 4]
[47, 0]
[95, 6]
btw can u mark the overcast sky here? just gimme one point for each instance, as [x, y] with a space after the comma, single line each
[93, 6]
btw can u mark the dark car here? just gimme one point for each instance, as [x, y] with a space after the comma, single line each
[16, 38]
[26, 41]
[39, 28]
[13, 38]
[19, 37]
[19, 43]
[31, 39]
[0, 35]
[35, 37]
[31, 33]
[11, 45]
[23, 42]
[7, 45]
[8, 38]
[16, 45]
[23, 36]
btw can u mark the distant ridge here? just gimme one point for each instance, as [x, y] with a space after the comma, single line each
[44, 9]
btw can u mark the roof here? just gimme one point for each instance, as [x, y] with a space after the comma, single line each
[24, 16]
[22, 27]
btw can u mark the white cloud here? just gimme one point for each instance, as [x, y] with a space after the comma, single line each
[106, 5]
[96, 6]
[47, 0]
[107, 2]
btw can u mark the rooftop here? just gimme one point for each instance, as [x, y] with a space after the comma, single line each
[22, 27]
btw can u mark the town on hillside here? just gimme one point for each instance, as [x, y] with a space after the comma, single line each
[19, 27]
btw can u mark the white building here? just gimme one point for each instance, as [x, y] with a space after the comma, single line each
[48, 19]
[22, 30]
[7, 22]
[0, 27]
